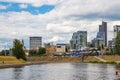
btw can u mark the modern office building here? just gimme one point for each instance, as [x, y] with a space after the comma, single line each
[35, 43]
[101, 38]
[79, 40]
[103, 32]
[98, 42]
[104, 27]
[116, 29]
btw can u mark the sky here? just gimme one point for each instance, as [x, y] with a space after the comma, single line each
[55, 20]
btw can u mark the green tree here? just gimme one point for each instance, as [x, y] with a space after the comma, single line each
[99, 47]
[18, 51]
[117, 44]
[32, 53]
[102, 46]
[41, 51]
[4, 52]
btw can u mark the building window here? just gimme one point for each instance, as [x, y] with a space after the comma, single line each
[58, 46]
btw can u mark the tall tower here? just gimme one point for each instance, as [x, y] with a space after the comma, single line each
[104, 30]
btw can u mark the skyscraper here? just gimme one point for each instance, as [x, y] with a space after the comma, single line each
[79, 40]
[101, 38]
[104, 30]
[35, 43]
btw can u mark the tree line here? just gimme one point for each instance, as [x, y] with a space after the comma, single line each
[19, 52]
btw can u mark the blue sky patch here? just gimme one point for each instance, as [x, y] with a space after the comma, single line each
[15, 7]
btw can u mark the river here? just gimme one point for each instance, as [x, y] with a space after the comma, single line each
[61, 71]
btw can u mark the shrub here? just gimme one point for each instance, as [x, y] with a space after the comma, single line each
[108, 53]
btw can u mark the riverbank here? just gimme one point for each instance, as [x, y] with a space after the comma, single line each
[10, 61]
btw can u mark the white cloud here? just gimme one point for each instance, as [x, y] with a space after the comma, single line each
[23, 5]
[59, 28]
[58, 25]
[55, 39]
[3, 7]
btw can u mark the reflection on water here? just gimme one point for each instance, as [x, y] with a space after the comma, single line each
[61, 71]
[17, 73]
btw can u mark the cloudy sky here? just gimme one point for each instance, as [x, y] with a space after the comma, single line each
[55, 20]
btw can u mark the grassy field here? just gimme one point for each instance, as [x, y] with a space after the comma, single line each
[61, 59]
[10, 60]
[13, 60]
[74, 59]
[111, 58]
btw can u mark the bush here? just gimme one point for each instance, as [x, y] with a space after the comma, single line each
[110, 62]
[41, 51]
[58, 55]
[32, 53]
[108, 53]
[93, 61]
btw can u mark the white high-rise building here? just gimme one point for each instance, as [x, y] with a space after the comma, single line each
[35, 43]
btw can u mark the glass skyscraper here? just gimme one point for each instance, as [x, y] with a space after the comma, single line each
[79, 40]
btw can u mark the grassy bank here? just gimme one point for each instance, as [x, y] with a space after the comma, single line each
[55, 59]
[89, 59]
[10, 60]
[42, 59]
[61, 59]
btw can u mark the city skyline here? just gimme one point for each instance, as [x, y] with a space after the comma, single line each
[55, 20]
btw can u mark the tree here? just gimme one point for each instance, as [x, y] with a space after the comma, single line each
[102, 46]
[18, 51]
[32, 53]
[41, 51]
[99, 47]
[4, 53]
[117, 44]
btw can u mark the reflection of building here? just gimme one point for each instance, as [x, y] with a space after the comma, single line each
[116, 29]
[35, 43]
[79, 40]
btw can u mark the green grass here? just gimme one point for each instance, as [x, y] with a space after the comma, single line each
[103, 62]
[11, 60]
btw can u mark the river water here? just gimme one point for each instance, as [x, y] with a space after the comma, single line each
[62, 71]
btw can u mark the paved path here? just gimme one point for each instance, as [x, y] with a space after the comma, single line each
[103, 60]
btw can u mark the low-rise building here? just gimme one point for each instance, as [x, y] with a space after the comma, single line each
[62, 48]
[50, 49]
[111, 45]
